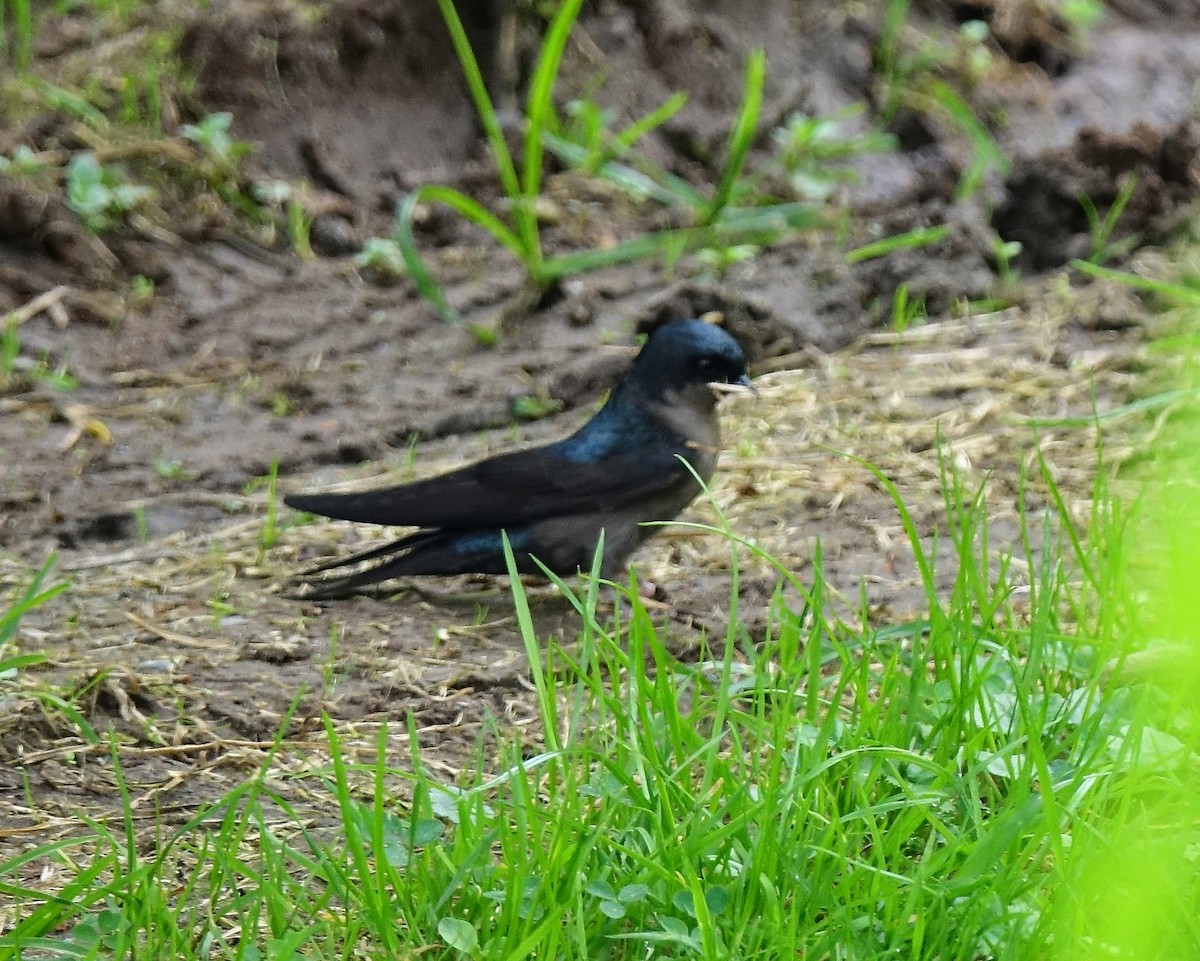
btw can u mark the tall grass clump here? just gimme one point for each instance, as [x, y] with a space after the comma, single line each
[947, 788]
[717, 222]
[1135, 888]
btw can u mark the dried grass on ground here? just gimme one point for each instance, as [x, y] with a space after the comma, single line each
[186, 646]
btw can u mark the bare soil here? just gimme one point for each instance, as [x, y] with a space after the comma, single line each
[174, 631]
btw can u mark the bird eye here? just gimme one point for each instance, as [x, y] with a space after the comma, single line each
[706, 365]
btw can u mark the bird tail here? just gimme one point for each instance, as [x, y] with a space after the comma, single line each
[423, 552]
[400, 560]
[335, 588]
[392, 547]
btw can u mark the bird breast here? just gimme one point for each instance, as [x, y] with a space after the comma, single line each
[691, 416]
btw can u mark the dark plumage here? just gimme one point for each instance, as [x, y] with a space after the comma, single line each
[617, 471]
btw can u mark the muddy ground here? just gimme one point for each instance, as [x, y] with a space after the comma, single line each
[174, 630]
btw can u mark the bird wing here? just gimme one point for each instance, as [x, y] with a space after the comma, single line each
[510, 489]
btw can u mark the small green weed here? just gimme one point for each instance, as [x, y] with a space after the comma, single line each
[10, 348]
[100, 195]
[270, 529]
[172, 470]
[67, 101]
[926, 75]
[906, 311]
[1082, 15]
[811, 150]
[1101, 227]
[986, 154]
[35, 594]
[644, 179]
[588, 128]
[535, 406]
[520, 234]
[299, 222]
[56, 378]
[142, 98]
[718, 260]
[23, 163]
[141, 291]
[382, 259]
[18, 372]
[1005, 252]
[211, 134]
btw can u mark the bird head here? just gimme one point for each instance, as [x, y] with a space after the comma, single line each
[686, 356]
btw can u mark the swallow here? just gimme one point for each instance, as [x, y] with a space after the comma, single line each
[637, 460]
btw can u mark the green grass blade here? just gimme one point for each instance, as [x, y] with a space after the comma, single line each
[759, 225]
[1163, 288]
[654, 119]
[1154, 402]
[533, 651]
[466, 207]
[741, 138]
[483, 102]
[921, 237]
[540, 119]
[60, 98]
[475, 212]
[666, 189]
[22, 27]
[986, 153]
[33, 596]
[422, 277]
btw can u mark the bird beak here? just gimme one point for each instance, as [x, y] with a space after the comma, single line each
[743, 385]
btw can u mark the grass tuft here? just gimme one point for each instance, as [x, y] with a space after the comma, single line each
[819, 788]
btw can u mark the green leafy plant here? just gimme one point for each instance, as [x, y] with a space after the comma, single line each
[1005, 252]
[1101, 227]
[100, 195]
[381, 258]
[924, 77]
[906, 310]
[211, 134]
[17, 371]
[810, 151]
[588, 128]
[22, 163]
